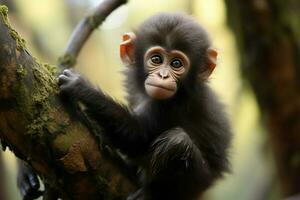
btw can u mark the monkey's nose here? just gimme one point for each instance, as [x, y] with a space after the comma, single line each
[164, 73]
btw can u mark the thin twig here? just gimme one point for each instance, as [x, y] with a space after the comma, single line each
[84, 29]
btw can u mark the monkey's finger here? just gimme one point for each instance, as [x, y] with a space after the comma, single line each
[65, 88]
[68, 72]
[62, 79]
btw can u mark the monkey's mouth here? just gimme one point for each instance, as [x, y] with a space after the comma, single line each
[161, 86]
[160, 91]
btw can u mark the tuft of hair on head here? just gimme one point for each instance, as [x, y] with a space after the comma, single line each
[174, 30]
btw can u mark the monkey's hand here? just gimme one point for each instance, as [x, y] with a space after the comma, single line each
[27, 182]
[72, 84]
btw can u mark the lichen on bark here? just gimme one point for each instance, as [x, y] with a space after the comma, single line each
[21, 44]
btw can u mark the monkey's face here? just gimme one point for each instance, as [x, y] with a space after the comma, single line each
[165, 70]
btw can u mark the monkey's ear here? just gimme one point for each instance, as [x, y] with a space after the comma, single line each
[212, 62]
[127, 48]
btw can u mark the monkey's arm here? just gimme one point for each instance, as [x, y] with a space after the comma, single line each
[121, 126]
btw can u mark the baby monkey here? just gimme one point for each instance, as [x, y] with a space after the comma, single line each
[174, 127]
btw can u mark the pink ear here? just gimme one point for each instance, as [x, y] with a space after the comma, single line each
[212, 62]
[212, 59]
[127, 48]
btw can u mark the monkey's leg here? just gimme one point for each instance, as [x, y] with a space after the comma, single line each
[177, 169]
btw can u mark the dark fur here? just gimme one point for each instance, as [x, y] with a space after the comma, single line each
[181, 143]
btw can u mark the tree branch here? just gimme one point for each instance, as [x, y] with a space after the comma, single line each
[84, 29]
[269, 46]
[37, 126]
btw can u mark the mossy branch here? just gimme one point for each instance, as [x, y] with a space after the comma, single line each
[38, 128]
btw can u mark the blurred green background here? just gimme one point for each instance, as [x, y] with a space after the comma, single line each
[46, 26]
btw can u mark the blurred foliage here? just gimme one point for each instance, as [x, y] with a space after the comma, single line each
[46, 25]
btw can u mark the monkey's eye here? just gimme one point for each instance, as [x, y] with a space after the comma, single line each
[176, 63]
[156, 59]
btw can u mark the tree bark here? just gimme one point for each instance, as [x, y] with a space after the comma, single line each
[40, 129]
[268, 33]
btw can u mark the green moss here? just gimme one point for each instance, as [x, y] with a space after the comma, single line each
[35, 93]
[35, 90]
[44, 89]
[21, 92]
[51, 68]
[20, 42]
[21, 72]
[22, 95]
[4, 12]
[67, 60]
